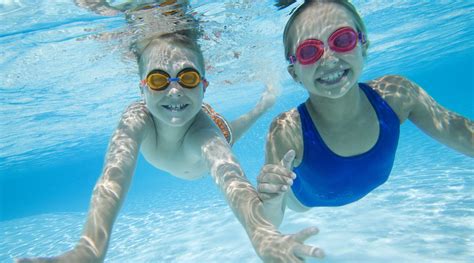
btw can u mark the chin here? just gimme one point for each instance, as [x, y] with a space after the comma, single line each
[336, 95]
[334, 92]
[177, 121]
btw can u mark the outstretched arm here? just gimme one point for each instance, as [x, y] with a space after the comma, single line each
[283, 145]
[244, 122]
[446, 126]
[410, 101]
[274, 182]
[109, 192]
[269, 244]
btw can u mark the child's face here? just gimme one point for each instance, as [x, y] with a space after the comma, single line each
[175, 105]
[334, 74]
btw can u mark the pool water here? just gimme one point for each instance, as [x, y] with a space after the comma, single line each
[63, 89]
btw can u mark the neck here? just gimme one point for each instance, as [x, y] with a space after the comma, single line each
[170, 133]
[336, 111]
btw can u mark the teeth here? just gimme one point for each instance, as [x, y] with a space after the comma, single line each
[333, 76]
[175, 107]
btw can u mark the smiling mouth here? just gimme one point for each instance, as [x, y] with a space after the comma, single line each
[175, 107]
[333, 78]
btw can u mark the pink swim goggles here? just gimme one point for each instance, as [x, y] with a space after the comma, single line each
[342, 40]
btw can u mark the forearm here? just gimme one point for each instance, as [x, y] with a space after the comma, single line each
[270, 245]
[108, 196]
[110, 191]
[240, 194]
[274, 209]
[444, 125]
[244, 122]
[461, 135]
[449, 128]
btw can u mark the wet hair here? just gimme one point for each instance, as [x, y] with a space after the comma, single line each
[183, 38]
[360, 26]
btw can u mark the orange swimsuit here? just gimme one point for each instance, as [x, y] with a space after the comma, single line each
[219, 121]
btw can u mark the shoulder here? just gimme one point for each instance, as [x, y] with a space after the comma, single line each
[284, 135]
[398, 91]
[137, 112]
[286, 121]
[136, 119]
[203, 124]
[202, 131]
[390, 82]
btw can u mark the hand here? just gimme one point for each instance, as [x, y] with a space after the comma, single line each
[75, 255]
[269, 96]
[275, 179]
[288, 248]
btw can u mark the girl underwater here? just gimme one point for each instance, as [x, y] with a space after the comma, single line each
[178, 134]
[341, 142]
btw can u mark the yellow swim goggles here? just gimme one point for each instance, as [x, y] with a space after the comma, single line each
[158, 79]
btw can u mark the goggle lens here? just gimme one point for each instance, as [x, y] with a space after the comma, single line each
[311, 50]
[159, 80]
[343, 40]
[308, 52]
[189, 79]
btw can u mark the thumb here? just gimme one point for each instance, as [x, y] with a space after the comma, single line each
[288, 160]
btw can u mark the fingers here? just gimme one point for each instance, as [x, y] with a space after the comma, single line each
[271, 188]
[265, 196]
[272, 183]
[305, 251]
[305, 234]
[276, 174]
[288, 160]
[277, 177]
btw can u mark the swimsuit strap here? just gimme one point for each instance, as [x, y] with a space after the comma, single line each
[378, 103]
[223, 125]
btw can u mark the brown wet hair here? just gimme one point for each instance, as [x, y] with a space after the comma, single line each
[183, 38]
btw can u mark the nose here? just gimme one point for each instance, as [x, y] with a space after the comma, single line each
[175, 90]
[329, 58]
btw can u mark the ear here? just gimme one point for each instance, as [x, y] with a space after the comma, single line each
[291, 70]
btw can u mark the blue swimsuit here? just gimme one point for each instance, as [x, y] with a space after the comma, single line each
[327, 179]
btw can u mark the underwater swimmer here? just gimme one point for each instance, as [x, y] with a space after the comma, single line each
[340, 144]
[176, 134]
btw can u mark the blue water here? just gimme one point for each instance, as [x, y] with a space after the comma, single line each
[62, 91]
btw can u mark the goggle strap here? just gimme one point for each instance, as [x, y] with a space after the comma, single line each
[362, 38]
[292, 59]
[205, 83]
